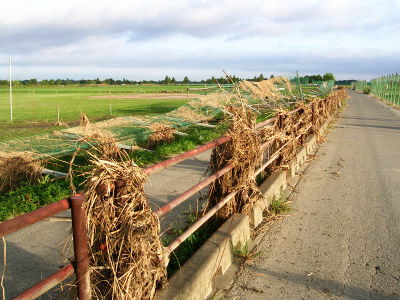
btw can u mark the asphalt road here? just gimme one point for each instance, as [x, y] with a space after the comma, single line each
[342, 238]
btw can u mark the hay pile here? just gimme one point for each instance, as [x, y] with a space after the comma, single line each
[244, 153]
[160, 133]
[190, 114]
[84, 120]
[267, 89]
[17, 167]
[126, 253]
[99, 139]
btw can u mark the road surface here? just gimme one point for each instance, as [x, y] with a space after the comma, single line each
[342, 238]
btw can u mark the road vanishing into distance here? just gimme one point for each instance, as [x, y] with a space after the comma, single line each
[341, 239]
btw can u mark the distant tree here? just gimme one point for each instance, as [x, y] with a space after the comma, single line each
[166, 80]
[328, 76]
[109, 81]
[173, 80]
[186, 80]
[33, 81]
[261, 77]
[272, 76]
[98, 81]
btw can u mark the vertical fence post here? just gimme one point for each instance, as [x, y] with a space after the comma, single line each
[81, 249]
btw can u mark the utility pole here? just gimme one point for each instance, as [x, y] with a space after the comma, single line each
[11, 105]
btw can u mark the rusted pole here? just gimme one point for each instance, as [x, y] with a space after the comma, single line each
[81, 249]
[171, 247]
[190, 192]
[46, 284]
[264, 123]
[37, 215]
[181, 157]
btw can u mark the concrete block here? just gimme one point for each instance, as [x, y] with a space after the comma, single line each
[273, 186]
[256, 214]
[311, 144]
[301, 156]
[238, 229]
[291, 172]
[194, 281]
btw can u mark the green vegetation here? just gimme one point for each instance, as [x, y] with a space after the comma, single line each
[191, 244]
[30, 197]
[44, 104]
[245, 252]
[20, 129]
[279, 205]
[195, 137]
[367, 90]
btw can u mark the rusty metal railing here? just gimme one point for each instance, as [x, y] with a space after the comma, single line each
[81, 262]
[80, 266]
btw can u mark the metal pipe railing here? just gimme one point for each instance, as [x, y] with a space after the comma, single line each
[33, 217]
[81, 251]
[181, 157]
[46, 284]
[190, 192]
[179, 240]
[81, 248]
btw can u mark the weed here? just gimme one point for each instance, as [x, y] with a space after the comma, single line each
[191, 244]
[367, 90]
[29, 197]
[245, 252]
[279, 205]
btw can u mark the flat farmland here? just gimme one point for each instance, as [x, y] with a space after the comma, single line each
[42, 104]
[36, 109]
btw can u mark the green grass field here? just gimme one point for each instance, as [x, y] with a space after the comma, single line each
[43, 103]
[36, 109]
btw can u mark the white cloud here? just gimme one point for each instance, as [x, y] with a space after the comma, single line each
[198, 37]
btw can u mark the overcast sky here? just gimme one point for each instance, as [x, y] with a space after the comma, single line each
[148, 39]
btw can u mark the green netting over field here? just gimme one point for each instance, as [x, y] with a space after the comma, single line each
[130, 131]
[127, 130]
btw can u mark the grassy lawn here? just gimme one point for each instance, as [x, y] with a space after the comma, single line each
[35, 109]
[43, 107]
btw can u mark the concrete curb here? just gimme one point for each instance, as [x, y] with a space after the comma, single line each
[196, 278]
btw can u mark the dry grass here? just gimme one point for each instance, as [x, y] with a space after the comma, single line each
[100, 139]
[244, 153]
[189, 114]
[127, 260]
[267, 90]
[161, 133]
[17, 167]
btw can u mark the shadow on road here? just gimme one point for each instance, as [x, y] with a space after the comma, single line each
[372, 126]
[22, 272]
[328, 287]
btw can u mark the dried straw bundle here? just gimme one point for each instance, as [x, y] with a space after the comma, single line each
[189, 114]
[84, 120]
[161, 133]
[104, 143]
[266, 89]
[216, 100]
[16, 167]
[126, 253]
[244, 153]
[101, 140]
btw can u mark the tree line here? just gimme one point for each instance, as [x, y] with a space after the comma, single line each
[308, 79]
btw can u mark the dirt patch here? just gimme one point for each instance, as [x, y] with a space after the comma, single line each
[155, 96]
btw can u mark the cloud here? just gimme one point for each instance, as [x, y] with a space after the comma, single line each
[255, 35]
